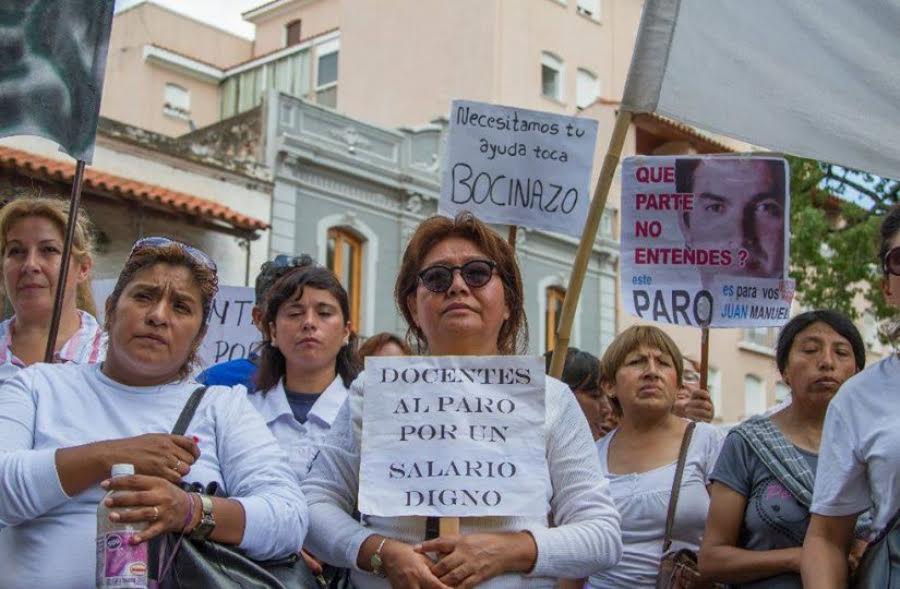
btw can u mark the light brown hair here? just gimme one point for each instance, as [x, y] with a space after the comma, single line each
[513, 337]
[57, 212]
[173, 254]
[379, 340]
[630, 340]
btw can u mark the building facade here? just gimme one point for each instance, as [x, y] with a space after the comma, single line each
[345, 100]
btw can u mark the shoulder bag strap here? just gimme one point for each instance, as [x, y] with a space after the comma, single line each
[187, 414]
[676, 485]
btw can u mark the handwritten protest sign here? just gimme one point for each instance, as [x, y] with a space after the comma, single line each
[705, 240]
[231, 332]
[454, 436]
[518, 167]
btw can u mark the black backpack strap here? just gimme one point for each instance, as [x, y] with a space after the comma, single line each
[187, 414]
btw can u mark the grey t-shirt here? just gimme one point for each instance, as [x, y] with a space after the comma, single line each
[773, 518]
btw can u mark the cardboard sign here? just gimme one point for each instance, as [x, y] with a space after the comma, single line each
[705, 240]
[454, 436]
[518, 167]
[231, 332]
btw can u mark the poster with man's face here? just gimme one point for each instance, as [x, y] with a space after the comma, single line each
[705, 240]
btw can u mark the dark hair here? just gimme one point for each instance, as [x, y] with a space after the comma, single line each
[173, 254]
[835, 320]
[686, 168]
[274, 269]
[379, 340]
[513, 336]
[890, 226]
[580, 369]
[272, 366]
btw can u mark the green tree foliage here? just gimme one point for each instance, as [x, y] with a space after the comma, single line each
[835, 217]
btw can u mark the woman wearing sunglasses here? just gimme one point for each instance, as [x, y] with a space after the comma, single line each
[460, 290]
[859, 460]
[32, 232]
[63, 426]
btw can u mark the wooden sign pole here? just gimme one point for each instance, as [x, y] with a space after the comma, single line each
[586, 245]
[704, 358]
[511, 238]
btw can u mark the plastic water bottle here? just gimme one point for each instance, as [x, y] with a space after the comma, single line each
[120, 564]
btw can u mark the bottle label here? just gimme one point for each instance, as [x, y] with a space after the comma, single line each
[121, 564]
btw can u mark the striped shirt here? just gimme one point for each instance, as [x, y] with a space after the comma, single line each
[86, 346]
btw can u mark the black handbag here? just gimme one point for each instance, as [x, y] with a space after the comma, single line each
[879, 567]
[176, 561]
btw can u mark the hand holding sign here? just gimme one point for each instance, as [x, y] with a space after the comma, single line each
[466, 561]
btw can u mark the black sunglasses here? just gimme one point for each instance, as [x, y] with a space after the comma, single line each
[891, 262]
[475, 274]
[199, 256]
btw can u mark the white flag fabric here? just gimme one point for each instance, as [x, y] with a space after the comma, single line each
[814, 78]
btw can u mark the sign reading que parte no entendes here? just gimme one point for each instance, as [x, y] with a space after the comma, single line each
[518, 167]
[454, 436]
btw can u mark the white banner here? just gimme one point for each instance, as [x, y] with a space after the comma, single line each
[518, 167]
[705, 240]
[814, 78]
[454, 436]
[231, 332]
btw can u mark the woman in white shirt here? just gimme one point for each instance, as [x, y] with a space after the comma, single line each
[641, 372]
[859, 458]
[32, 233]
[460, 290]
[308, 359]
[63, 426]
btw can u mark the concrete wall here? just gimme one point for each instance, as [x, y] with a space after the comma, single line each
[403, 66]
[317, 17]
[133, 91]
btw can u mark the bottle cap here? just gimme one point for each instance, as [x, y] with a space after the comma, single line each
[120, 470]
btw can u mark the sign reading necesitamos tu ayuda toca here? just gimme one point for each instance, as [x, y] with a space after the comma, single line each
[518, 167]
[454, 436]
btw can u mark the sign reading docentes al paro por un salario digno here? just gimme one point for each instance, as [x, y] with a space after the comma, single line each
[454, 436]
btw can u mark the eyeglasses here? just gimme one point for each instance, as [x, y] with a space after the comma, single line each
[199, 256]
[891, 262]
[475, 274]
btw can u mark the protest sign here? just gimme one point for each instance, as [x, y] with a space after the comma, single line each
[231, 332]
[705, 240]
[454, 436]
[518, 167]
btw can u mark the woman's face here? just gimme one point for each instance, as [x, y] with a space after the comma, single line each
[819, 361]
[891, 283]
[462, 317]
[646, 382]
[155, 326]
[596, 408]
[310, 330]
[31, 264]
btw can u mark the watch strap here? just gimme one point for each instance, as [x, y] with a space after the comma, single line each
[207, 521]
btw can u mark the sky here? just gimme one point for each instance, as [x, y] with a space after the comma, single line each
[225, 14]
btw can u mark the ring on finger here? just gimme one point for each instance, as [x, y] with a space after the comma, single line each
[178, 465]
[155, 513]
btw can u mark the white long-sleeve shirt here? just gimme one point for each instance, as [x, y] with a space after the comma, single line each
[299, 440]
[586, 538]
[48, 538]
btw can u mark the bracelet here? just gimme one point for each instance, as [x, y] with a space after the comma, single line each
[190, 514]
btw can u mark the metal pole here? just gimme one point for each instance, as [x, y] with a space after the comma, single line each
[74, 204]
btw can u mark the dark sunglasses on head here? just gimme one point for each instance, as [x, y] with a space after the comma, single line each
[475, 274]
[199, 256]
[891, 262]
